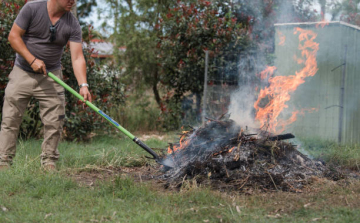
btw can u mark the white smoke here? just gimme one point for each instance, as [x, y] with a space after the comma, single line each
[241, 108]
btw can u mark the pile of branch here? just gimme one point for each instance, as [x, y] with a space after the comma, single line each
[225, 156]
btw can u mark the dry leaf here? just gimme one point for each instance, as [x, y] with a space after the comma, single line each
[274, 216]
[47, 215]
[307, 205]
[278, 210]
[238, 209]
[4, 208]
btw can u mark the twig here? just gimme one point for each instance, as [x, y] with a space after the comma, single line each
[245, 181]
[293, 188]
[222, 115]
[214, 120]
[272, 180]
[227, 173]
[140, 177]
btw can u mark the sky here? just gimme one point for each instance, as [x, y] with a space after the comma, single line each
[94, 17]
[96, 22]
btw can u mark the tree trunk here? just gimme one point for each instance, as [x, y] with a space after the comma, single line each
[74, 9]
[323, 9]
[155, 90]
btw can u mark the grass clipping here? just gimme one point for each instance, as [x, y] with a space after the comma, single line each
[225, 156]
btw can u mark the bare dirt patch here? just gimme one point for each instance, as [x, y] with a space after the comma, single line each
[151, 175]
[92, 176]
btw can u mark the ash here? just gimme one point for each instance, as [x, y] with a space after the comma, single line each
[225, 156]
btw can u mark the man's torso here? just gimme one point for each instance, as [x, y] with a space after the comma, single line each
[34, 18]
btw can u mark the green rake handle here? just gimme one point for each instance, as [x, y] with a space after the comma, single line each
[97, 110]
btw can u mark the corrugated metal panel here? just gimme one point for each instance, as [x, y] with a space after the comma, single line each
[352, 94]
[323, 90]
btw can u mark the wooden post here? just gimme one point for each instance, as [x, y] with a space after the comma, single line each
[203, 114]
[342, 96]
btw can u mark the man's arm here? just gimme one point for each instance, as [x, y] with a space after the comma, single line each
[79, 66]
[17, 43]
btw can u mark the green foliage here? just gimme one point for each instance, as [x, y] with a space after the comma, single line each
[84, 8]
[139, 114]
[332, 153]
[79, 123]
[347, 11]
[189, 30]
[165, 42]
[135, 22]
[106, 92]
[8, 13]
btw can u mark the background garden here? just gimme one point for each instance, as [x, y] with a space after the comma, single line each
[101, 174]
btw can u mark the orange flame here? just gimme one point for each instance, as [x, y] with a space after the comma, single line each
[323, 23]
[230, 150]
[282, 38]
[268, 72]
[278, 92]
[181, 146]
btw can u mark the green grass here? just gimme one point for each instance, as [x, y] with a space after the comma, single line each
[139, 113]
[344, 155]
[29, 194]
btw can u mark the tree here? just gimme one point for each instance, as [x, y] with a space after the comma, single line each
[347, 11]
[84, 8]
[190, 30]
[135, 22]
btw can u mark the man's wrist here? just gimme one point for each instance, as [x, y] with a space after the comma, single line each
[83, 85]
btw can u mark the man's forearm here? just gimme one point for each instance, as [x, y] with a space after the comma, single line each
[79, 66]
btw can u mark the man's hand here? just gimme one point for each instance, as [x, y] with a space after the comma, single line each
[38, 66]
[84, 91]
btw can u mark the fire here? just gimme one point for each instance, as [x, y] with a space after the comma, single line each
[181, 146]
[267, 72]
[280, 87]
[323, 23]
[282, 38]
[230, 150]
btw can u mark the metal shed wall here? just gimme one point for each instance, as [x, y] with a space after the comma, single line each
[322, 91]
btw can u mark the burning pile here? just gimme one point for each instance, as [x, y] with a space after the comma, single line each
[225, 155]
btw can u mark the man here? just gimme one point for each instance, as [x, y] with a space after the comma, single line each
[39, 34]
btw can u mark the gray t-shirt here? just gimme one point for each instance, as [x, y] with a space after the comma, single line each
[34, 18]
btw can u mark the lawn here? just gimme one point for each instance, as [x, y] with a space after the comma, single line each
[99, 182]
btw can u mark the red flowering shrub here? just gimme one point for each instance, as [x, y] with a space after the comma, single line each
[189, 29]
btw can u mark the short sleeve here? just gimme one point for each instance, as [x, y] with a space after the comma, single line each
[75, 35]
[24, 17]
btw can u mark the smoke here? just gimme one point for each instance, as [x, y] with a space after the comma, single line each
[241, 109]
[250, 64]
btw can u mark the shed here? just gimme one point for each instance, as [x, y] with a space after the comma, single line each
[334, 90]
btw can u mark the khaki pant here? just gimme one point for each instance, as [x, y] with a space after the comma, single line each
[51, 96]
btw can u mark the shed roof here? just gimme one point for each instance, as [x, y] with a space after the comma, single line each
[318, 23]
